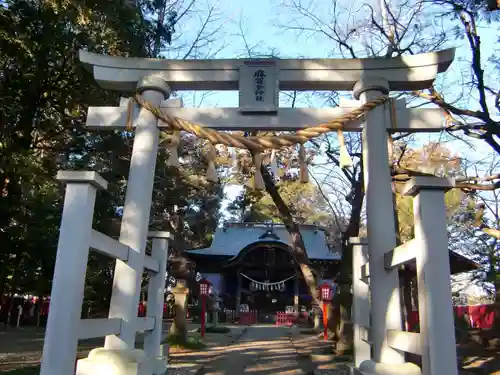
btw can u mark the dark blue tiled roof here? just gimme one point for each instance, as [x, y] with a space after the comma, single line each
[233, 237]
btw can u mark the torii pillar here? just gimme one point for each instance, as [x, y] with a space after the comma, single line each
[381, 224]
[136, 212]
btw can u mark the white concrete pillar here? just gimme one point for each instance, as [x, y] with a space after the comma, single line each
[61, 335]
[384, 284]
[156, 294]
[136, 212]
[437, 329]
[361, 301]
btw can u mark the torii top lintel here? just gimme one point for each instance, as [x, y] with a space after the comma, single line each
[414, 72]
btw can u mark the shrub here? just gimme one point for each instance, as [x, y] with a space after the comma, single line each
[192, 343]
[24, 371]
[217, 329]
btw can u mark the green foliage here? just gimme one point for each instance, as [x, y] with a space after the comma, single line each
[431, 158]
[217, 329]
[23, 371]
[305, 202]
[467, 237]
[404, 204]
[193, 343]
[44, 92]
[44, 95]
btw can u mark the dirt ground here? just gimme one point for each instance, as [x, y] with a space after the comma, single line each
[480, 360]
[483, 363]
[20, 348]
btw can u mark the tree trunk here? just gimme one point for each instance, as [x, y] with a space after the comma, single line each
[345, 332]
[179, 325]
[13, 287]
[38, 309]
[299, 249]
[344, 319]
[9, 310]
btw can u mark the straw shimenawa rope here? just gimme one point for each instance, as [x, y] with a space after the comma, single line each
[255, 143]
[259, 144]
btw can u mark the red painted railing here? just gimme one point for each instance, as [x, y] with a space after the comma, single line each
[480, 316]
[245, 318]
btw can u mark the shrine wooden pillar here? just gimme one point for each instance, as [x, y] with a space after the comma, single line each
[296, 293]
[238, 292]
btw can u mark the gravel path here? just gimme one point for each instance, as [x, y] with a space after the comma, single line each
[261, 350]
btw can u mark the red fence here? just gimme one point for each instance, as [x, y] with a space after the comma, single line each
[245, 318]
[480, 316]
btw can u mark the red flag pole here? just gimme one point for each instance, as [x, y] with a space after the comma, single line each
[203, 302]
[325, 322]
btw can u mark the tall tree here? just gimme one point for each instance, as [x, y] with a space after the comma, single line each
[44, 94]
[475, 232]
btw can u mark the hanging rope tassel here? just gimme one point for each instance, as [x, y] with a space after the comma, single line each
[173, 145]
[258, 181]
[234, 159]
[345, 159]
[304, 173]
[274, 164]
[130, 109]
[211, 171]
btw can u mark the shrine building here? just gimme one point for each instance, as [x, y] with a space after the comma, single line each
[251, 267]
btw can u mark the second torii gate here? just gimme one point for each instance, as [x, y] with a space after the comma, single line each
[259, 83]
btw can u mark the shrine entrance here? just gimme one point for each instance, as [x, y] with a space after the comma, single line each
[379, 338]
[267, 279]
[253, 269]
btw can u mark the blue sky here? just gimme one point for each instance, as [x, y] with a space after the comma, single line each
[259, 21]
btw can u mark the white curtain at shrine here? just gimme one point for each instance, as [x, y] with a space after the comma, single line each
[267, 285]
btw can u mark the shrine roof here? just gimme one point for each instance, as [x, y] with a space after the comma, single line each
[234, 237]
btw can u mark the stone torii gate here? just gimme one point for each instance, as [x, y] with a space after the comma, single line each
[259, 83]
